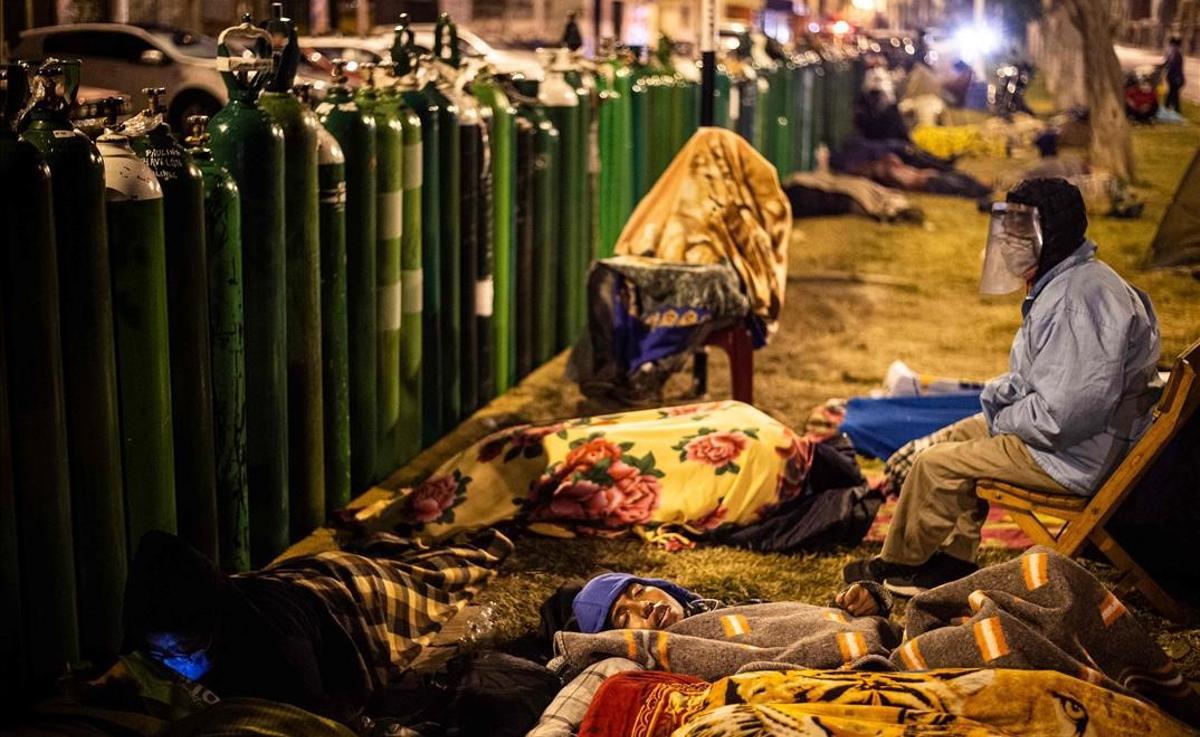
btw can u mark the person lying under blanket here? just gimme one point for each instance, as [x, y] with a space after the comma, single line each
[718, 472]
[325, 632]
[1041, 611]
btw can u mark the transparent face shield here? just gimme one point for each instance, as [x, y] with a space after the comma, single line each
[1014, 245]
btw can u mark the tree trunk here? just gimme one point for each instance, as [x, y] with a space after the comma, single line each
[1059, 55]
[1111, 147]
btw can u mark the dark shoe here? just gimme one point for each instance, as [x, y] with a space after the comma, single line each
[941, 568]
[874, 569]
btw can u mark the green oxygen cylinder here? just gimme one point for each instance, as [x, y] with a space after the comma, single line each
[35, 501]
[409, 432]
[523, 220]
[335, 348]
[187, 311]
[355, 130]
[306, 440]
[90, 384]
[12, 639]
[464, 187]
[685, 100]
[639, 121]
[250, 146]
[584, 84]
[779, 132]
[816, 116]
[485, 268]
[788, 141]
[389, 219]
[616, 201]
[725, 108]
[803, 159]
[562, 107]
[425, 283]
[138, 254]
[227, 348]
[762, 110]
[747, 91]
[449, 153]
[847, 87]
[659, 133]
[833, 96]
[503, 151]
[546, 195]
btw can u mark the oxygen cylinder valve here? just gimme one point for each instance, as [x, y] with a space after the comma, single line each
[47, 87]
[303, 92]
[197, 130]
[368, 70]
[403, 45]
[339, 72]
[111, 110]
[154, 96]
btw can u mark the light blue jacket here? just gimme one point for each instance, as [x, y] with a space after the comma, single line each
[1082, 378]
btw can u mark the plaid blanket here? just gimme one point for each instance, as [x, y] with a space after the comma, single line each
[564, 715]
[394, 597]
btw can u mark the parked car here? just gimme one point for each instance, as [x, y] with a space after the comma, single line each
[318, 53]
[130, 57]
[506, 61]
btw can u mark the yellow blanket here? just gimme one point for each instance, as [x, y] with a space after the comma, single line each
[950, 703]
[697, 466]
[719, 201]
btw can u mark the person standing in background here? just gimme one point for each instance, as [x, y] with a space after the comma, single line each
[1173, 68]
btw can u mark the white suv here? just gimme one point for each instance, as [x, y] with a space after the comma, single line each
[128, 58]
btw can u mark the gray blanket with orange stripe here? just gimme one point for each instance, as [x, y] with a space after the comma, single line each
[1041, 611]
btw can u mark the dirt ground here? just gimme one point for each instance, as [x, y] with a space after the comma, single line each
[860, 294]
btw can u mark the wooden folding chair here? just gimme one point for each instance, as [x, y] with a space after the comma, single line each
[1086, 517]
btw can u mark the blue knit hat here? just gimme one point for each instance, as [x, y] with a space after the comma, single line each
[595, 600]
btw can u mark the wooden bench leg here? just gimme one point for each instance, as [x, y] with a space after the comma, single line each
[700, 373]
[739, 347]
[741, 363]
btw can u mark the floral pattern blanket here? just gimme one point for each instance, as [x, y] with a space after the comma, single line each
[670, 474]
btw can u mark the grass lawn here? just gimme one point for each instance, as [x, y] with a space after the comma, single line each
[860, 295]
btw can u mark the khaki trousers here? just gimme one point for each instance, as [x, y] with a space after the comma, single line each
[938, 508]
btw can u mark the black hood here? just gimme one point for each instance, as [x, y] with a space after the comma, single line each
[1062, 215]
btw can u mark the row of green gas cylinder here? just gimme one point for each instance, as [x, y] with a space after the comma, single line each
[228, 335]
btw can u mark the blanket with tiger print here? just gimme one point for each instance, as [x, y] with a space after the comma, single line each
[946, 703]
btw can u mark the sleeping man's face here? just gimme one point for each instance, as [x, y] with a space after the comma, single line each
[643, 607]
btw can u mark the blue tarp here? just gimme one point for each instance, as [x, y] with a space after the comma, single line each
[878, 427]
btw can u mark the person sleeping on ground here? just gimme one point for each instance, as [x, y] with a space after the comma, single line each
[1041, 611]
[324, 632]
[1080, 391]
[718, 472]
[628, 602]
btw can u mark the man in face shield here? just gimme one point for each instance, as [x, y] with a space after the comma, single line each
[1081, 385]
